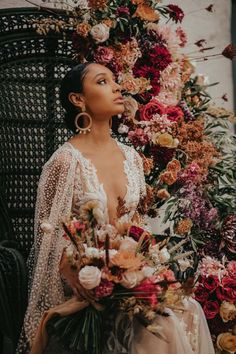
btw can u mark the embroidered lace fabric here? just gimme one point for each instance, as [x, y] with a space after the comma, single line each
[67, 179]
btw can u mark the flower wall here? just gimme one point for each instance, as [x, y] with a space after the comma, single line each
[182, 136]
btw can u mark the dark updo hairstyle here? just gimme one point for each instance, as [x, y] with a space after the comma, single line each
[72, 82]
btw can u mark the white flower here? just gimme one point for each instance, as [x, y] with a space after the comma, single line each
[46, 227]
[69, 251]
[202, 80]
[92, 252]
[183, 264]
[159, 256]
[106, 230]
[123, 129]
[130, 279]
[111, 252]
[89, 277]
[147, 271]
[100, 32]
[128, 244]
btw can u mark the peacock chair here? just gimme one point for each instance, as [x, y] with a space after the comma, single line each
[31, 128]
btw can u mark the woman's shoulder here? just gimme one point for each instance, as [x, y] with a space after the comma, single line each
[64, 155]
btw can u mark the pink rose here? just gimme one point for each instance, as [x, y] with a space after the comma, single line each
[150, 109]
[103, 55]
[231, 267]
[211, 309]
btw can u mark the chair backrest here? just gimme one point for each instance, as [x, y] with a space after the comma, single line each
[31, 118]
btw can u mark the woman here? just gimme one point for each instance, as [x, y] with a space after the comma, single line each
[92, 165]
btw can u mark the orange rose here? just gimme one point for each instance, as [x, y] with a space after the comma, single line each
[168, 177]
[83, 29]
[163, 194]
[183, 226]
[127, 260]
[174, 165]
[108, 22]
[146, 13]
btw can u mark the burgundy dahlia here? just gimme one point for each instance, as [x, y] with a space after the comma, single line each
[175, 13]
[160, 57]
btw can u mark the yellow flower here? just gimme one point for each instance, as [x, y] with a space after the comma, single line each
[167, 140]
[146, 13]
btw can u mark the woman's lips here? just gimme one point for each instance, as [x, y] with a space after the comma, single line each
[119, 100]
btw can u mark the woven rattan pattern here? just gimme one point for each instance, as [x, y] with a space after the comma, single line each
[31, 118]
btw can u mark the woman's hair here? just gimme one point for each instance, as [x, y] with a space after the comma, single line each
[72, 82]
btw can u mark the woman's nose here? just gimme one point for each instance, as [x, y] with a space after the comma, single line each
[116, 87]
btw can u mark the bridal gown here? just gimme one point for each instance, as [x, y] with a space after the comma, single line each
[69, 179]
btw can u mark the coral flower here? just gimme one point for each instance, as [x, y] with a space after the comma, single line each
[127, 260]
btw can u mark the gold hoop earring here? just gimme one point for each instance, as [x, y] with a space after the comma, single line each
[79, 129]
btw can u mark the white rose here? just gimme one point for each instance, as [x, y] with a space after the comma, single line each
[89, 277]
[128, 244]
[130, 279]
[100, 32]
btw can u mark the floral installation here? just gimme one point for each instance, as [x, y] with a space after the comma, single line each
[216, 292]
[183, 138]
[124, 267]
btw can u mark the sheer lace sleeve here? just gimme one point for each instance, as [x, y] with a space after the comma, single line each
[54, 201]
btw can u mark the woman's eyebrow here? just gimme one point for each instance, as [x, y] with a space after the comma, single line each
[103, 73]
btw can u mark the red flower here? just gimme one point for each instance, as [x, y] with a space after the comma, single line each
[148, 290]
[174, 113]
[175, 13]
[210, 283]
[150, 109]
[136, 232]
[201, 294]
[211, 309]
[228, 290]
[105, 288]
[160, 57]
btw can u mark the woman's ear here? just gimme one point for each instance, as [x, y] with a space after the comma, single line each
[76, 99]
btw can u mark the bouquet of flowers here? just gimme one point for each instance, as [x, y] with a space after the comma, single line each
[216, 291]
[115, 268]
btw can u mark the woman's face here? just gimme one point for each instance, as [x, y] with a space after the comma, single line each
[101, 94]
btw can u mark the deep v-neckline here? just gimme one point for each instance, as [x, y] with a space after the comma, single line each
[99, 184]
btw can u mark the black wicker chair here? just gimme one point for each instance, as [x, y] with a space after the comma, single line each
[31, 129]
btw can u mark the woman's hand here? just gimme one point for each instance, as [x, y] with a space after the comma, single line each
[69, 268]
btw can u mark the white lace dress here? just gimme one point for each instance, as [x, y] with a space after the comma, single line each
[67, 180]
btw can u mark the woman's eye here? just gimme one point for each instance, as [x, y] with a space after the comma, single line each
[102, 82]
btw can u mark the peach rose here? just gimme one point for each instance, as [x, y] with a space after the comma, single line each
[131, 107]
[227, 341]
[100, 32]
[128, 244]
[227, 311]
